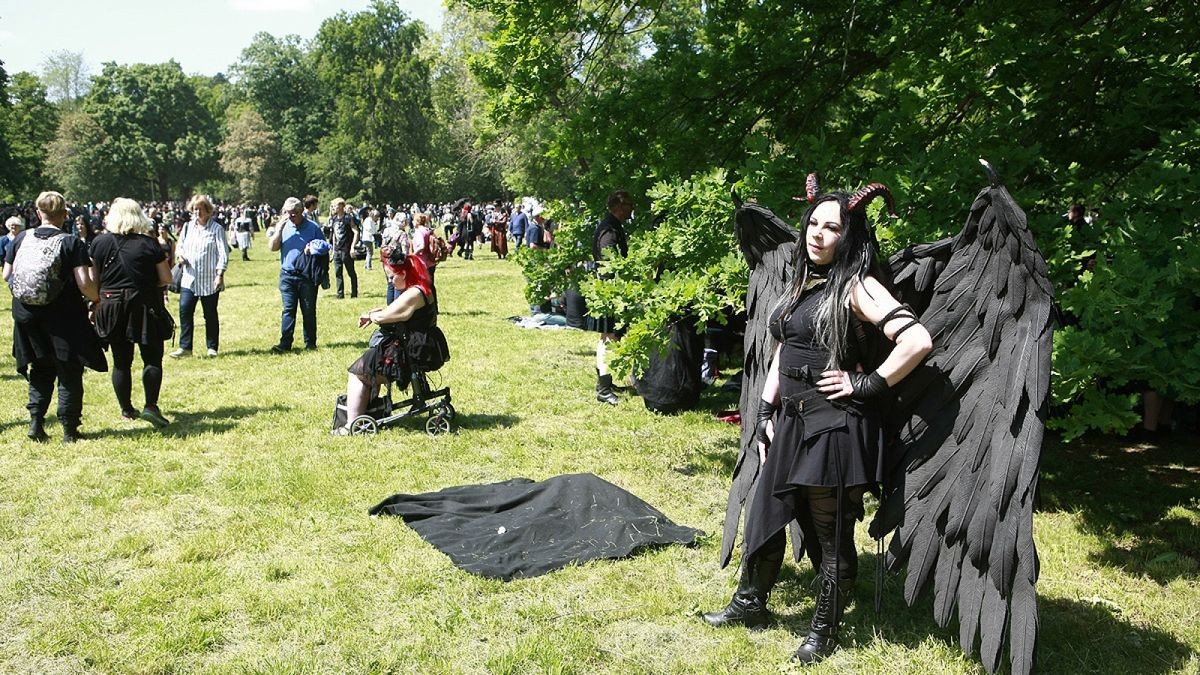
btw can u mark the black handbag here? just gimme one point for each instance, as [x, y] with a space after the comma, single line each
[359, 252]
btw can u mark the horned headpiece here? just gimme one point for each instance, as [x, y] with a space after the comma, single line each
[812, 189]
[866, 194]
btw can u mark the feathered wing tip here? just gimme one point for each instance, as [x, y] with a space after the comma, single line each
[991, 172]
[871, 191]
[737, 199]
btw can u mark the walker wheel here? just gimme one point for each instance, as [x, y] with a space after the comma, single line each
[449, 411]
[437, 424]
[363, 424]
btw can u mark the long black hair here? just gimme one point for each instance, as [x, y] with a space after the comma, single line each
[854, 258]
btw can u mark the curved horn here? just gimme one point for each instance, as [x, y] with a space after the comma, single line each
[812, 187]
[870, 192]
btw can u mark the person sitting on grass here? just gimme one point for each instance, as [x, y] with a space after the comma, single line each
[407, 337]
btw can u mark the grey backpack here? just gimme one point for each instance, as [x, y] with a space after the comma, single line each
[37, 270]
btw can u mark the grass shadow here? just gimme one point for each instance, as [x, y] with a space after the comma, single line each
[186, 424]
[1074, 636]
[1140, 499]
[468, 420]
[718, 455]
[266, 350]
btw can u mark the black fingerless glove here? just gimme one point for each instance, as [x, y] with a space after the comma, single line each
[766, 410]
[867, 387]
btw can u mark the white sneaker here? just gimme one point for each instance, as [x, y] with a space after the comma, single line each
[180, 353]
[212, 352]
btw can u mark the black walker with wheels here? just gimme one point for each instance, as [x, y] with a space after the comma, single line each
[383, 412]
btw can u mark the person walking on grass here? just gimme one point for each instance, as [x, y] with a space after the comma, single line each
[243, 231]
[343, 229]
[204, 251]
[50, 275]
[292, 238]
[132, 270]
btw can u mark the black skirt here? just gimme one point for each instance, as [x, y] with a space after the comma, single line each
[394, 356]
[133, 316]
[816, 444]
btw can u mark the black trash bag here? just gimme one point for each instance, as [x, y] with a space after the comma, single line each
[672, 383]
[519, 528]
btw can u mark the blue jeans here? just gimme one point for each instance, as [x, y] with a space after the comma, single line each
[187, 314]
[297, 289]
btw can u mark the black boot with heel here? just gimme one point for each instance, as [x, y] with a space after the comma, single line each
[748, 607]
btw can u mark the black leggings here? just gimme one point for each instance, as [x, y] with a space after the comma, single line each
[122, 377]
[817, 513]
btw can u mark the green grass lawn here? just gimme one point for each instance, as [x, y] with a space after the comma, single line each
[237, 540]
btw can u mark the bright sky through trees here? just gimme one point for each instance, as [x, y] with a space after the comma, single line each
[204, 37]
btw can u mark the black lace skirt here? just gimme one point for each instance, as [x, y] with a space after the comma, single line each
[394, 356]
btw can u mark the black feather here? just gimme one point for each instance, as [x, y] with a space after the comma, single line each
[971, 421]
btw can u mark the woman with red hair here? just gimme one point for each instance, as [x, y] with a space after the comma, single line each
[407, 337]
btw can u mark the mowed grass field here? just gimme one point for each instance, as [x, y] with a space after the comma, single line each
[237, 540]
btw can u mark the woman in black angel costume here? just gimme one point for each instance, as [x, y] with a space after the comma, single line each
[819, 430]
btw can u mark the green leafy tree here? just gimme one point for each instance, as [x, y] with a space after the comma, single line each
[29, 122]
[468, 155]
[1101, 108]
[161, 140]
[371, 64]
[66, 77]
[252, 157]
[78, 160]
[278, 76]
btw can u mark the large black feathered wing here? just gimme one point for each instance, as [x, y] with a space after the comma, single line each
[768, 244]
[962, 478]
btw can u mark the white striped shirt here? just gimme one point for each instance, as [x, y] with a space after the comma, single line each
[206, 251]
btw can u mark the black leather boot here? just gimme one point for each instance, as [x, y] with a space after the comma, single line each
[71, 431]
[821, 640]
[37, 429]
[833, 526]
[748, 607]
[604, 390]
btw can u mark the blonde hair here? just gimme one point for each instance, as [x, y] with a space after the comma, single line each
[201, 200]
[421, 219]
[52, 203]
[337, 201]
[125, 217]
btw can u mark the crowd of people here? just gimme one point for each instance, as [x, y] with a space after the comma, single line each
[112, 263]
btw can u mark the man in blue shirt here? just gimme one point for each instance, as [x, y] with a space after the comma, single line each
[535, 231]
[518, 223]
[292, 239]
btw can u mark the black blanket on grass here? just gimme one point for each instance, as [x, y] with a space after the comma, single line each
[519, 528]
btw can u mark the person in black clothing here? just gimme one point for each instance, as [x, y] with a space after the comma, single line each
[466, 234]
[55, 340]
[824, 449]
[609, 239]
[131, 268]
[408, 337]
[343, 229]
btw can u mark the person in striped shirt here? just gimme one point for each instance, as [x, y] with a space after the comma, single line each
[204, 252]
